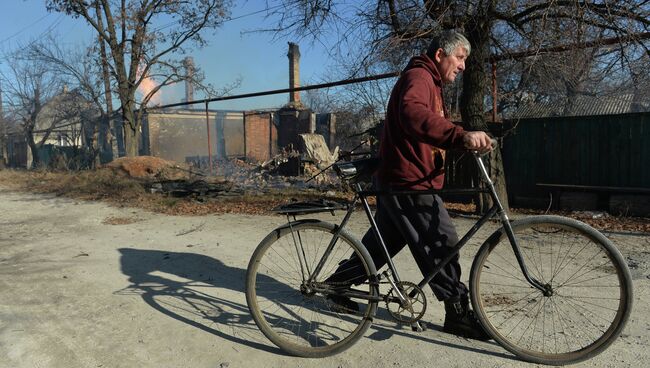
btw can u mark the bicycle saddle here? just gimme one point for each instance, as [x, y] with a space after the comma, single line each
[358, 170]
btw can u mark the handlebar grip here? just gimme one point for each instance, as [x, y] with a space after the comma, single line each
[495, 143]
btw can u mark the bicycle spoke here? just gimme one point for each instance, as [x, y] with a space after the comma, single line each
[294, 313]
[573, 318]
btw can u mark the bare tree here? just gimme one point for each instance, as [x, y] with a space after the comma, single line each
[36, 97]
[353, 118]
[389, 30]
[84, 73]
[140, 48]
[359, 107]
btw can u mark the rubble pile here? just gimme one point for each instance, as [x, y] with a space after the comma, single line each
[149, 168]
[278, 162]
[246, 176]
[288, 169]
[197, 188]
[316, 150]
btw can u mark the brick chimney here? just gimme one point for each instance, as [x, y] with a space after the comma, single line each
[294, 71]
[188, 62]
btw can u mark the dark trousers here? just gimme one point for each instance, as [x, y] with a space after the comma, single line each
[421, 222]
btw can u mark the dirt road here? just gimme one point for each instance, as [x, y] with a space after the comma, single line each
[87, 285]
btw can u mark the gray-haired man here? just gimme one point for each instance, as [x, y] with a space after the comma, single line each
[416, 134]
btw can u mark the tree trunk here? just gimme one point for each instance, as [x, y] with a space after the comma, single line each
[105, 147]
[131, 141]
[474, 81]
[473, 106]
[131, 129]
[499, 177]
[5, 154]
[36, 160]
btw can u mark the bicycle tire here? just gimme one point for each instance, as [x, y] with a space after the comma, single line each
[299, 323]
[591, 299]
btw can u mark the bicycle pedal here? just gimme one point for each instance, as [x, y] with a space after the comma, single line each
[418, 327]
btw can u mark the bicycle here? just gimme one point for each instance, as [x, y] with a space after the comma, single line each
[549, 289]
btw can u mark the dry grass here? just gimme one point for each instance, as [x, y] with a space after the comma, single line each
[120, 190]
[90, 185]
[599, 220]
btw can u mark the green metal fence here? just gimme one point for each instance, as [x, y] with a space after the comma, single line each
[65, 157]
[600, 151]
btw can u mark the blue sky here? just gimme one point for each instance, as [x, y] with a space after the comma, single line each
[260, 61]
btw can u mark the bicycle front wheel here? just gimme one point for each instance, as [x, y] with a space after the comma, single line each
[588, 298]
[288, 310]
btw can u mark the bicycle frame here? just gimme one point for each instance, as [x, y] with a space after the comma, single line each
[497, 208]
[322, 303]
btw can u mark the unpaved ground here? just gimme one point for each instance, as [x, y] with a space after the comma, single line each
[87, 285]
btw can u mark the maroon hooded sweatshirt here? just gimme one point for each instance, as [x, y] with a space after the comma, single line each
[417, 131]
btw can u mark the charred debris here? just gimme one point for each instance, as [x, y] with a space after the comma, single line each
[290, 170]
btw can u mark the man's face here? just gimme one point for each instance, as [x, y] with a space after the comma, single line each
[450, 66]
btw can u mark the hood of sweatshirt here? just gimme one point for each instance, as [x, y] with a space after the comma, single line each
[423, 61]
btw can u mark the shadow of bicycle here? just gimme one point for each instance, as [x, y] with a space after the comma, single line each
[195, 289]
[205, 293]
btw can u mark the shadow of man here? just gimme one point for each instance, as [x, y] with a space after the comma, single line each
[198, 290]
[192, 288]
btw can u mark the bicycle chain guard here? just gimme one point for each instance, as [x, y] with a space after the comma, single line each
[413, 309]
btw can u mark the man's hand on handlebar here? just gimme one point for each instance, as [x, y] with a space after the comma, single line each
[477, 141]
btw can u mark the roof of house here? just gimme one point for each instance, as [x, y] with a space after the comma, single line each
[69, 107]
[583, 106]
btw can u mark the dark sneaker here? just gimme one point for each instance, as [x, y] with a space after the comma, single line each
[342, 304]
[461, 321]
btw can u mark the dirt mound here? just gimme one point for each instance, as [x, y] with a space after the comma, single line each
[149, 167]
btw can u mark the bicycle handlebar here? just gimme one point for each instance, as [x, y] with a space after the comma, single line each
[495, 144]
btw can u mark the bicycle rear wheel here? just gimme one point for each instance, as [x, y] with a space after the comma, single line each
[291, 314]
[591, 287]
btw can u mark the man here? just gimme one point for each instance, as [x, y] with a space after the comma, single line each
[416, 134]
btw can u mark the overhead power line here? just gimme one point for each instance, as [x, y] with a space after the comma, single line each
[46, 32]
[225, 21]
[284, 90]
[514, 55]
[24, 28]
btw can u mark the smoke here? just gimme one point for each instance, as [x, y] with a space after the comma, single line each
[146, 86]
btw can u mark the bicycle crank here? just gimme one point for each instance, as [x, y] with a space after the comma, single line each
[410, 310]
